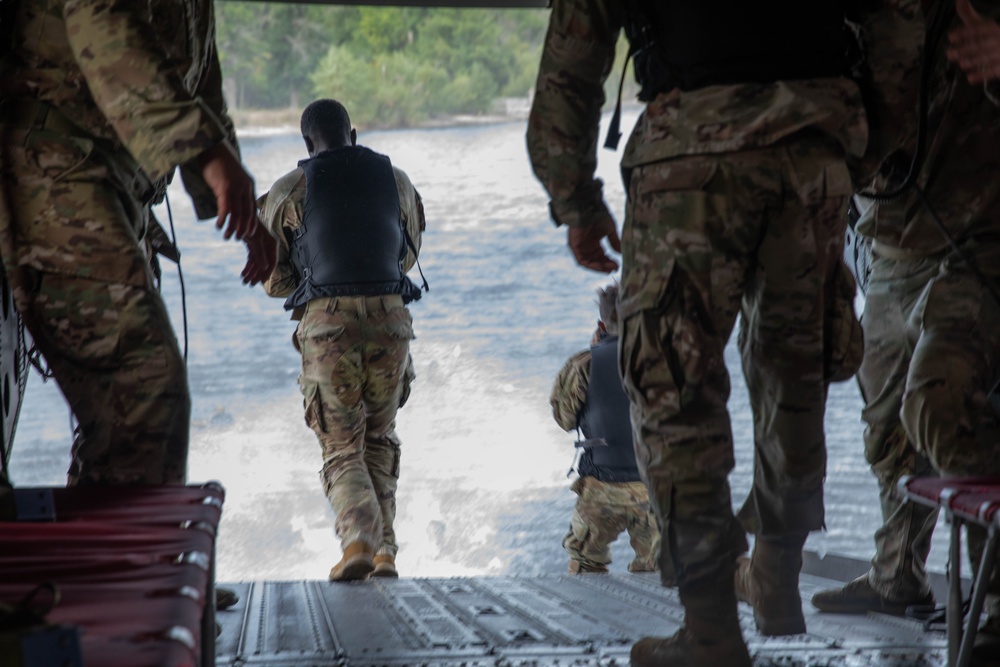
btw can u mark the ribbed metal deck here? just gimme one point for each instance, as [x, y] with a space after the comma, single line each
[539, 621]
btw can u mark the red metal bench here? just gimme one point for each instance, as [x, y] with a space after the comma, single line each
[974, 500]
[132, 569]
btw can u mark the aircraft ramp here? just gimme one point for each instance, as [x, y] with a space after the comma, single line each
[538, 621]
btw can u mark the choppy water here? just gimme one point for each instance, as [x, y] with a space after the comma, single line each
[483, 488]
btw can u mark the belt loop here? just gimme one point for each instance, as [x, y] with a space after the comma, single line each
[362, 307]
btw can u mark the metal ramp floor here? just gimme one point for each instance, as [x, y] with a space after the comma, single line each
[538, 621]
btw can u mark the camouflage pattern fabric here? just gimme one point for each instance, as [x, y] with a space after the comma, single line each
[354, 356]
[356, 373]
[736, 203]
[569, 391]
[706, 238]
[930, 324]
[963, 140]
[603, 510]
[99, 100]
[563, 124]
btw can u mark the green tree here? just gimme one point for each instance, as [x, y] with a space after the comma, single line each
[390, 65]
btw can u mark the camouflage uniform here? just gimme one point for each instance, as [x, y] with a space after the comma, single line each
[736, 197]
[99, 100]
[603, 509]
[931, 327]
[356, 372]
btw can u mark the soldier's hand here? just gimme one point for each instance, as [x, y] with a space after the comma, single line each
[233, 189]
[262, 254]
[585, 242]
[975, 46]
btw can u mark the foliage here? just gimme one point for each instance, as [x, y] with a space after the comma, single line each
[391, 66]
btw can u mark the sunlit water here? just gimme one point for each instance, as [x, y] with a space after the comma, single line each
[483, 487]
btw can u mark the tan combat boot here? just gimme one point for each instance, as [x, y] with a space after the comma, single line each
[576, 567]
[356, 563]
[385, 566]
[769, 582]
[710, 636]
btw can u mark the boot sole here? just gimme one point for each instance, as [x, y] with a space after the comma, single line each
[354, 571]
[384, 573]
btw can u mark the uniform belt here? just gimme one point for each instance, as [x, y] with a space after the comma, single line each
[33, 114]
[368, 303]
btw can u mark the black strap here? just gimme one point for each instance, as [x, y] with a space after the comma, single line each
[416, 257]
[614, 127]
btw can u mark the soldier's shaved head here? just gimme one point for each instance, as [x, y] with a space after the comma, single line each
[325, 124]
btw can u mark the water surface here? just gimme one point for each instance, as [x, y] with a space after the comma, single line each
[484, 487]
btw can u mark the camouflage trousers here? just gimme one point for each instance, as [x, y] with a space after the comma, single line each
[69, 234]
[603, 510]
[756, 234]
[354, 378]
[932, 337]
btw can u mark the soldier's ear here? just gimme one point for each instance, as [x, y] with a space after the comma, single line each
[354, 137]
[310, 146]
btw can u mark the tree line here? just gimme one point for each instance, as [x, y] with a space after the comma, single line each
[391, 66]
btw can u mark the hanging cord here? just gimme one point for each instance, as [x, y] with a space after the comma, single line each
[180, 275]
[955, 247]
[939, 24]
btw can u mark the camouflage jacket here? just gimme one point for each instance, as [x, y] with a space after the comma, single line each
[281, 210]
[563, 124]
[569, 391]
[142, 74]
[962, 158]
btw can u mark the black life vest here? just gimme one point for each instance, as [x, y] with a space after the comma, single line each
[351, 241]
[605, 416]
[690, 45]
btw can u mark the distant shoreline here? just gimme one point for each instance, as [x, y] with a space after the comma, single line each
[267, 122]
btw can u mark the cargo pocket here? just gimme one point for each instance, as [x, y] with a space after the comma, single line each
[399, 324]
[666, 219]
[57, 156]
[313, 403]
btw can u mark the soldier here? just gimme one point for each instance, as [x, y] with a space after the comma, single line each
[931, 315]
[737, 189]
[349, 226]
[588, 396]
[99, 101]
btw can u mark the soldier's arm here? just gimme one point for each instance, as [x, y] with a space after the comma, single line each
[281, 210]
[209, 90]
[564, 121]
[136, 86]
[565, 114]
[569, 391]
[411, 207]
